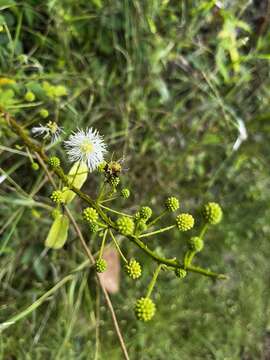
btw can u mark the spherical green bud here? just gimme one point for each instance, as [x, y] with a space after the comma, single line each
[212, 213]
[172, 204]
[133, 269]
[137, 216]
[114, 181]
[93, 227]
[90, 214]
[195, 243]
[146, 212]
[181, 273]
[57, 196]
[101, 265]
[29, 96]
[60, 90]
[54, 162]
[125, 193]
[184, 222]
[145, 309]
[44, 113]
[125, 225]
[101, 167]
[35, 166]
[141, 225]
[55, 213]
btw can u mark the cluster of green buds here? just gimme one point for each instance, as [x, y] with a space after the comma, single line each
[85, 148]
[57, 196]
[142, 225]
[139, 227]
[133, 269]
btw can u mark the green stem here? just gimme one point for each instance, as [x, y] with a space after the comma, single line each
[101, 192]
[153, 281]
[157, 231]
[114, 211]
[107, 200]
[21, 132]
[189, 255]
[203, 230]
[36, 304]
[207, 272]
[102, 244]
[157, 218]
[101, 224]
[118, 247]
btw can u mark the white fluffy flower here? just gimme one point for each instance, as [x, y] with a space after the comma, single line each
[87, 146]
[50, 130]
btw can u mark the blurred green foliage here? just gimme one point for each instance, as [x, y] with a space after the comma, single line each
[170, 84]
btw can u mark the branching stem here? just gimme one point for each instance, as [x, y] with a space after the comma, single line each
[21, 132]
[157, 231]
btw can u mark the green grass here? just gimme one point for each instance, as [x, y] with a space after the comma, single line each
[159, 79]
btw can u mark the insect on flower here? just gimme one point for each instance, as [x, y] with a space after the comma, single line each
[87, 146]
[50, 130]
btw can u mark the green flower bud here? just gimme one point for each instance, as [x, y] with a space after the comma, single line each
[101, 167]
[114, 181]
[137, 216]
[35, 166]
[141, 225]
[172, 204]
[212, 213]
[55, 213]
[30, 96]
[125, 225]
[181, 273]
[57, 196]
[93, 227]
[184, 222]
[195, 243]
[44, 113]
[145, 309]
[54, 162]
[146, 212]
[90, 214]
[133, 269]
[60, 90]
[125, 193]
[101, 265]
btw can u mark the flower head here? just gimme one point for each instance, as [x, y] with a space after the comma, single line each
[125, 193]
[195, 243]
[90, 214]
[145, 309]
[184, 222]
[57, 196]
[87, 146]
[212, 213]
[145, 212]
[125, 225]
[133, 269]
[180, 273]
[101, 265]
[172, 203]
[50, 130]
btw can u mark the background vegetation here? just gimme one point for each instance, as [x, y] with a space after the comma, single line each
[171, 85]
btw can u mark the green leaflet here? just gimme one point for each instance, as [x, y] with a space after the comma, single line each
[77, 176]
[58, 233]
